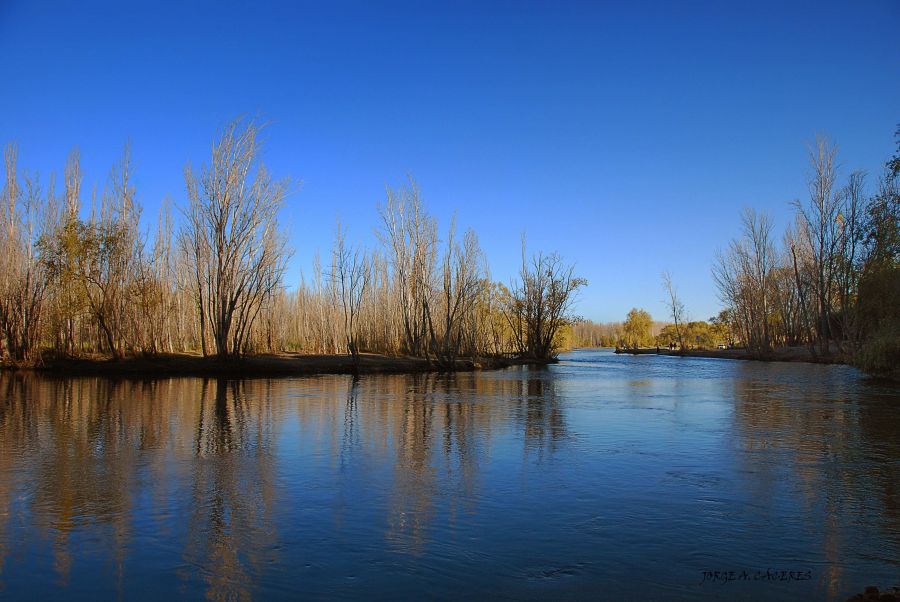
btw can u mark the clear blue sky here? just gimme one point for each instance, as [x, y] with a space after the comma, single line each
[625, 135]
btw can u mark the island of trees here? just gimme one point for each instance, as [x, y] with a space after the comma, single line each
[209, 278]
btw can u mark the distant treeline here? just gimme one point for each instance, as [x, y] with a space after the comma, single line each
[640, 330]
[212, 279]
[587, 333]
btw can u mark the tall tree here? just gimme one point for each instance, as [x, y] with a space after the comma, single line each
[231, 237]
[819, 229]
[676, 307]
[351, 277]
[410, 236]
[22, 281]
[462, 278]
[743, 276]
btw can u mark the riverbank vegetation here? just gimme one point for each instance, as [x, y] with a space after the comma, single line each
[210, 279]
[831, 282]
[826, 291]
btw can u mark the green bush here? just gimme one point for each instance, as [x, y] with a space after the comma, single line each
[880, 354]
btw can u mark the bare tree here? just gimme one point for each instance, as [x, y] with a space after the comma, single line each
[787, 301]
[462, 279]
[757, 258]
[676, 307]
[351, 276]
[22, 282]
[538, 305]
[744, 278]
[410, 237]
[231, 237]
[155, 288]
[67, 301]
[851, 238]
[819, 229]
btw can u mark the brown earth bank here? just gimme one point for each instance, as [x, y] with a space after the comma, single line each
[781, 354]
[280, 364]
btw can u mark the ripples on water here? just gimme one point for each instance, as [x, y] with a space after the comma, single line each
[602, 477]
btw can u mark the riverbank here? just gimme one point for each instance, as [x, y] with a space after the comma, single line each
[281, 364]
[781, 354]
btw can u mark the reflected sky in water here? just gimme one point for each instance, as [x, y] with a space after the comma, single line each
[600, 477]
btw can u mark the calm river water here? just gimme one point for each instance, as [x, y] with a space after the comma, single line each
[602, 477]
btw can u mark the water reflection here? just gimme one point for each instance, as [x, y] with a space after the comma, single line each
[84, 470]
[196, 461]
[232, 532]
[840, 450]
[354, 486]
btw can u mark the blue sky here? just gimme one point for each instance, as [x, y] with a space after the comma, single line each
[626, 136]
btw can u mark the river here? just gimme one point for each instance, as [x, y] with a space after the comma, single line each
[601, 477]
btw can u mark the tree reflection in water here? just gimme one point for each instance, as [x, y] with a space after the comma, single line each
[194, 460]
[232, 534]
[831, 447]
[231, 489]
